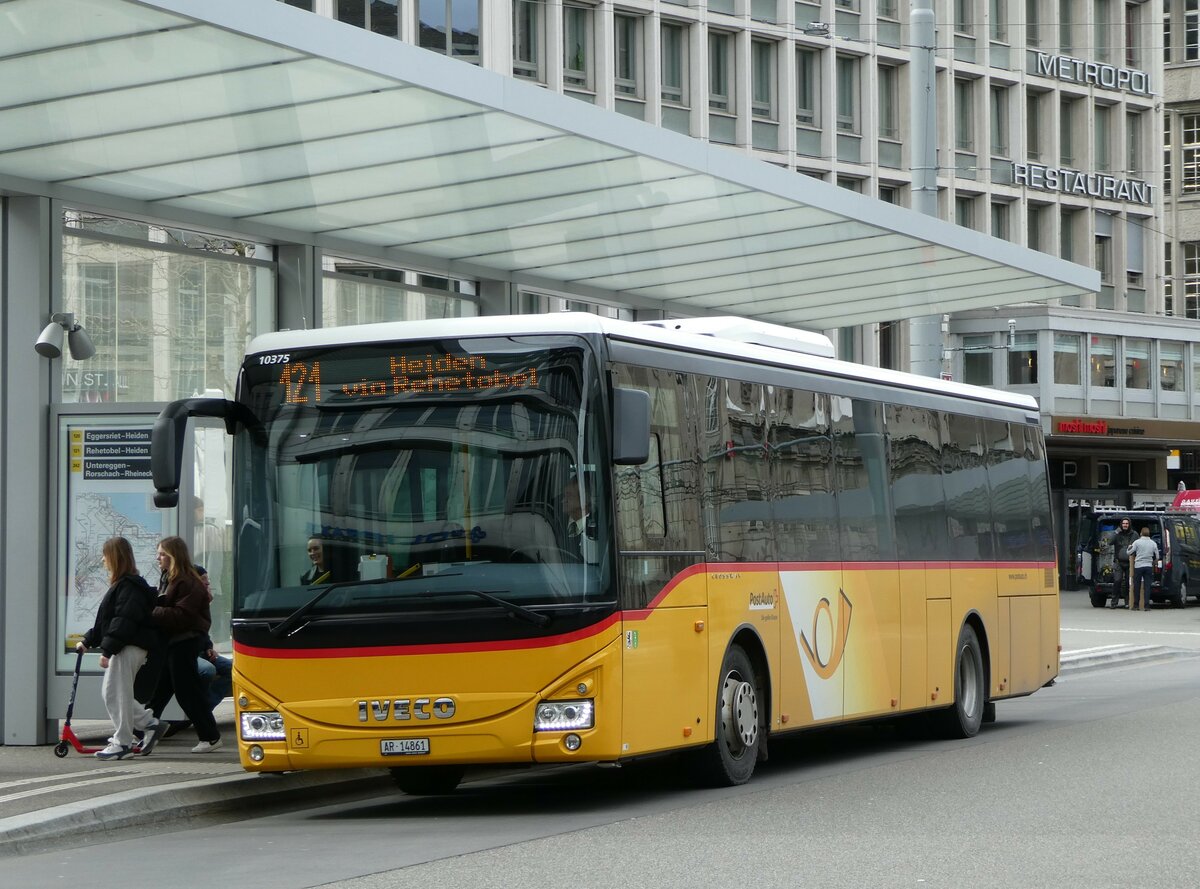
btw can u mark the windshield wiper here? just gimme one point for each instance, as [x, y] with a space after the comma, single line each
[534, 617]
[293, 621]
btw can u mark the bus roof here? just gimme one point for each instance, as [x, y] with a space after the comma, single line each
[655, 334]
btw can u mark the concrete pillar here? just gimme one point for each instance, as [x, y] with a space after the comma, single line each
[299, 284]
[25, 521]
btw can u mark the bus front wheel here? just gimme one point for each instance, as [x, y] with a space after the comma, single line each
[731, 758]
[963, 718]
[427, 780]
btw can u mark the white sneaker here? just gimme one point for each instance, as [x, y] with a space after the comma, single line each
[206, 746]
[115, 751]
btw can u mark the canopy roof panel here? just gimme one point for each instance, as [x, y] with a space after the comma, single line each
[278, 120]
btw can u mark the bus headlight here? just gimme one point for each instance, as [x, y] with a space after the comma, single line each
[562, 716]
[262, 726]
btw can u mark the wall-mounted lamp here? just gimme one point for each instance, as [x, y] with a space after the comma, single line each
[49, 344]
[817, 29]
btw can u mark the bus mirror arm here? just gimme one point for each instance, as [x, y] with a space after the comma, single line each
[631, 427]
[169, 434]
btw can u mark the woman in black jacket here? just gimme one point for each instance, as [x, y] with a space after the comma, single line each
[183, 616]
[124, 633]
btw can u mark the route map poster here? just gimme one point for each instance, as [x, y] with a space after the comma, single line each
[106, 489]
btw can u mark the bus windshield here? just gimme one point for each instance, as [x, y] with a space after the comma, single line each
[429, 476]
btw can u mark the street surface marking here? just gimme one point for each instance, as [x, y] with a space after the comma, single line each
[36, 791]
[4, 785]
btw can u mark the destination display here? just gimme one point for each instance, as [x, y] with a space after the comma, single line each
[377, 373]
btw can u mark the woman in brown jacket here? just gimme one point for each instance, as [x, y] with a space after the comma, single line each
[182, 614]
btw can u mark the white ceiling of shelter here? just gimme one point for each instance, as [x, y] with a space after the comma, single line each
[283, 121]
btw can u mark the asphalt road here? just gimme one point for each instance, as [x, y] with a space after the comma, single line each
[1089, 783]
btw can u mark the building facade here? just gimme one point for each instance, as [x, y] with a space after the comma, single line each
[1049, 124]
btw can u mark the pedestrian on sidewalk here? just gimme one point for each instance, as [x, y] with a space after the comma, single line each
[216, 671]
[1122, 540]
[183, 614]
[125, 633]
[1144, 552]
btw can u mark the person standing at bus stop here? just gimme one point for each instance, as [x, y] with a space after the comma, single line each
[182, 613]
[1145, 554]
[1122, 540]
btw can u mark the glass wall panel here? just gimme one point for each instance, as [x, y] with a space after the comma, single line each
[1170, 367]
[1102, 362]
[170, 313]
[1137, 364]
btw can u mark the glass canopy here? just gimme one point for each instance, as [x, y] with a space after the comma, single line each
[291, 125]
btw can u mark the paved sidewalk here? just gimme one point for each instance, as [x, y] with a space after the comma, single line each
[43, 797]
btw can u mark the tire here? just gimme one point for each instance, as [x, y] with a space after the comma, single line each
[1181, 594]
[1098, 598]
[739, 725]
[428, 780]
[964, 717]
[61, 749]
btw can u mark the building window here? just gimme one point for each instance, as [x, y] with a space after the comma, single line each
[1066, 233]
[1166, 14]
[527, 40]
[1066, 132]
[1168, 158]
[850, 183]
[450, 27]
[889, 112]
[1191, 31]
[964, 211]
[1191, 278]
[1023, 360]
[1189, 154]
[380, 16]
[1133, 35]
[999, 121]
[977, 360]
[1000, 220]
[847, 94]
[674, 64]
[720, 63]
[1137, 364]
[1104, 258]
[306, 5]
[1170, 367]
[1033, 22]
[887, 9]
[889, 194]
[807, 88]
[1102, 362]
[964, 17]
[1033, 126]
[762, 79]
[1102, 133]
[1102, 28]
[1133, 145]
[1168, 280]
[1066, 21]
[998, 13]
[1066, 359]
[964, 115]
[577, 46]
[626, 49]
[1035, 230]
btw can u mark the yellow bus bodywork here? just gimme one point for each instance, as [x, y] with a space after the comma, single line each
[837, 642]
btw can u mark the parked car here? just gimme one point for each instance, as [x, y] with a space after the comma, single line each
[1178, 539]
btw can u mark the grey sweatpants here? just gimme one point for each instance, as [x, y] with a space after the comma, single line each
[117, 688]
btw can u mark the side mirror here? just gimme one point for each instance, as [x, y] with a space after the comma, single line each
[631, 427]
[167, 437]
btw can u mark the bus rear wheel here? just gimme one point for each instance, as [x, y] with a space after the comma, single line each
[427, 780]
[731, 758]
[963, 718]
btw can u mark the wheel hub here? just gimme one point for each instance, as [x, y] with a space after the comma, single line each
[739, 711]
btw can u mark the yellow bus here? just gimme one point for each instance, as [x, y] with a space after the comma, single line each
[561, 538]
